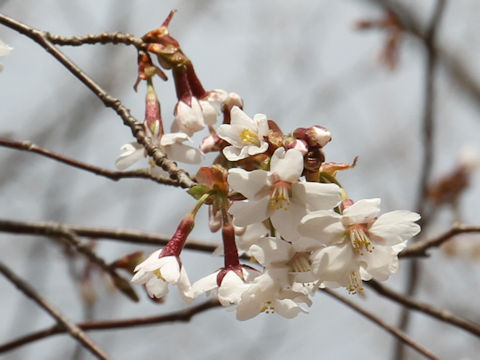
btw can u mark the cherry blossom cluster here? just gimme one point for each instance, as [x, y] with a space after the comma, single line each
[272, 195]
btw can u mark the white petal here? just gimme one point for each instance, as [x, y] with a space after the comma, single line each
[231, 134]
[286, 221]
[231, 289]
[287, 165]
[396, 226]
[288, 308]
[233, 153]
[362, 211]
[156, 287]
[209, 112]
[316, 196]
[249, 183]
[188, 119]
[268, 251]
[254, 150]
[325, 226]
[170, 269]
[262, 125]
[184, 286]
[184, 153]
[4, 49]
[249, 211]
[151, 263]
[204, 285]
[238, 117]
[381, 262]
[131, 153]
[173, 138]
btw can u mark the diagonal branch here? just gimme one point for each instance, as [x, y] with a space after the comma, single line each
[420, 248]
[113, 175]
[183, 316]
[440, 314]
[41, 38]
[399, 334]
[63, 322]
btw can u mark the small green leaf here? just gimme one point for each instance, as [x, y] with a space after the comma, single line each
[198, 191]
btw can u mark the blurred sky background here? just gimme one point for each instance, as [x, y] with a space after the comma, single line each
[301, 63]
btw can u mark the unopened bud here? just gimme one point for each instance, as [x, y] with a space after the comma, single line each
[297, 144]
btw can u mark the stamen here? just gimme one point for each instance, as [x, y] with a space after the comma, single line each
[280, 197]
[300, 262]
[359, 239]
[159, 274]
[268, 308]
[355, 283]
[248, 137]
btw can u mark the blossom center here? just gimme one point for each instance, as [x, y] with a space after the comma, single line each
[249, 137]
[280, 195]
[359, 239]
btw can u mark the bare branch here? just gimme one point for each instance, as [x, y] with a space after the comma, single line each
[428, 158]
[399, 334]
[420, 248]
[134, 236]
[135, 126]
[113, 175]
[440, 314]
[183, 316]
[63, 321]
[103, 38]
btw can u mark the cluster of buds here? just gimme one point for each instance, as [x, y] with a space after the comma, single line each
[274, 198]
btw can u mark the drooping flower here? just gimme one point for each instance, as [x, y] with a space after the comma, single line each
[245, 135]
[279, 194]
[358, 245]
[157, 271]
[164, 267]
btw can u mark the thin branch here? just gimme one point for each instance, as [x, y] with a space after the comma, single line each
[133, 236]
[103, 38]
[420, 248]
[63, 322]
[399, 334]
[440, 314]
[121, 284]
[41, 38]
[453, 64]
[113, 175]
[183, 316]
[430, 36]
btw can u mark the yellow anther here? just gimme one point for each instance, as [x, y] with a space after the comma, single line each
[248, 137]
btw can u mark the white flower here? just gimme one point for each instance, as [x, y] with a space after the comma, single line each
[357, 245]
[4, 51]
[188, 118]
[266, 294]
[278, 194]
[245, 135]
[171, 144]
[230, 286]
[156, 272]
